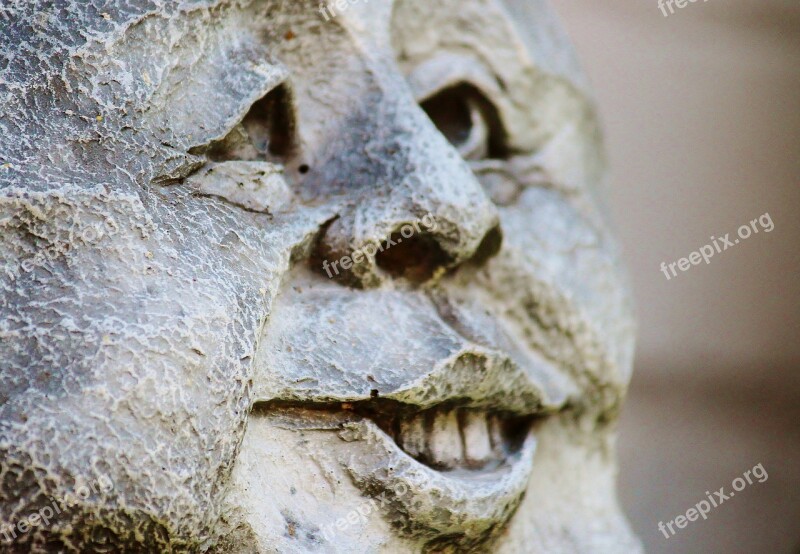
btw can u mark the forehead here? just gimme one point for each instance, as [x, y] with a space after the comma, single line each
[202, 63]
[505, 30]
[510, 32]
[522, 31]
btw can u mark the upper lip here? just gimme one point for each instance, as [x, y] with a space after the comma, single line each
[331, 345]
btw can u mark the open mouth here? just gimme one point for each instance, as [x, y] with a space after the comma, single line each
[449, 470]
[443, 428]
[447, 438]
[444, 438]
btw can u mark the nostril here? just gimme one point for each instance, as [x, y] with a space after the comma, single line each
[414, 258]
[489, 247]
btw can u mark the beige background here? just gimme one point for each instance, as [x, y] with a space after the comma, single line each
[702, 119]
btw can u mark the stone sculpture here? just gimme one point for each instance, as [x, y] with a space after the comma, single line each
[288, 277]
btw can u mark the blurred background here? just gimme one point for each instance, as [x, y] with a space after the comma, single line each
[702, 118]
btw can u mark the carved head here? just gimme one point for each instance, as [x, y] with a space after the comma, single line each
[296, 277]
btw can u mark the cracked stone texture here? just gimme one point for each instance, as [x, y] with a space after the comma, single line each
[152, 311]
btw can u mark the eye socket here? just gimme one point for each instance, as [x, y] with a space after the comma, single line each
[265, 134]
[469, 121]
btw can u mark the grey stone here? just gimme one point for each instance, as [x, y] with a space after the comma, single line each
[180, 368]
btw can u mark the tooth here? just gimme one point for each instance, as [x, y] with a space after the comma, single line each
[445, 440]
[412, 435]
[477, 445]
[496, 437]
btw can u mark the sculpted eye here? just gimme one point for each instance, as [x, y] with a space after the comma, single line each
[247, 166]
[265, 133]
[472, 125]
[469, 121]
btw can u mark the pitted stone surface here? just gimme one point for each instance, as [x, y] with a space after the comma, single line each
[171, 345]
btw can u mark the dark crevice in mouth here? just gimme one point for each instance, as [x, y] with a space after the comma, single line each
[446, 437]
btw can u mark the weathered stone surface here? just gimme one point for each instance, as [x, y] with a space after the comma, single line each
[279, 280]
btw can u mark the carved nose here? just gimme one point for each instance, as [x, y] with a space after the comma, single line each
[412, 208]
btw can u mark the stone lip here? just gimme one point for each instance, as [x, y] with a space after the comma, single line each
[464, 505]
[327, 345]
[474, 377]
[428, 503]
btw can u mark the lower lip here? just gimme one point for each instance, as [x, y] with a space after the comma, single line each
[427, 503]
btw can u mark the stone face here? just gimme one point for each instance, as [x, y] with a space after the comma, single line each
[284, 278]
